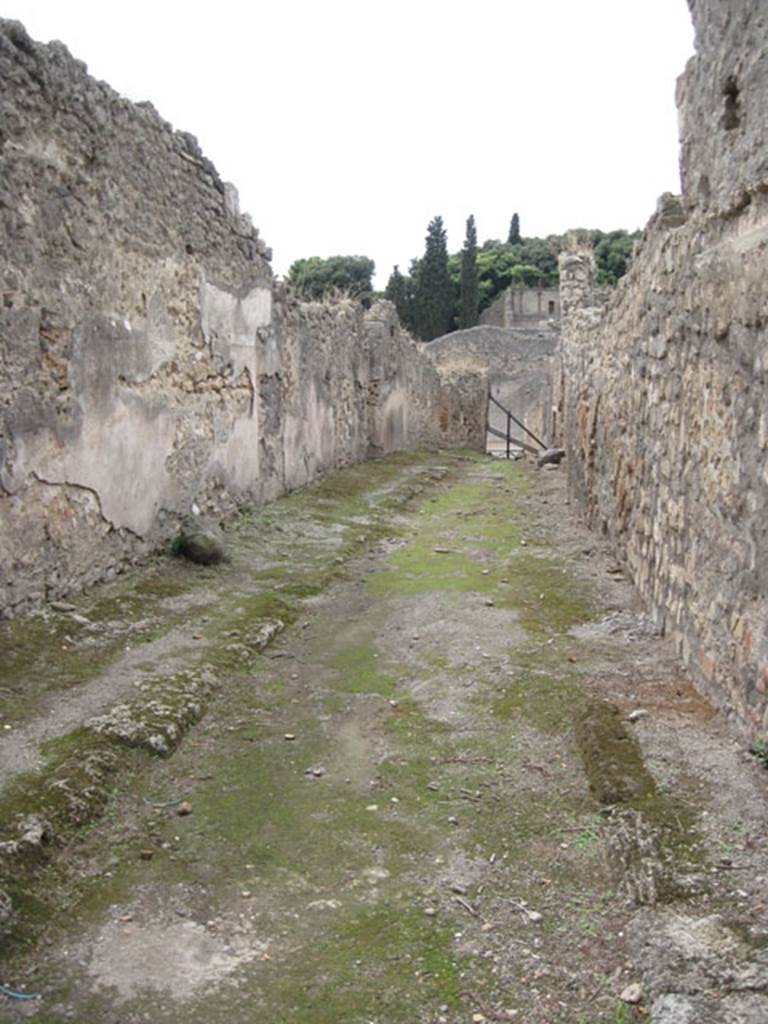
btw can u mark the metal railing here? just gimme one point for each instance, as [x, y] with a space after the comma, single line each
[507, 435]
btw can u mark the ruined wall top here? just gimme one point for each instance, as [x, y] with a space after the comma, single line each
[722, 109]
[119, 161]
[501, 350]
[578, 280]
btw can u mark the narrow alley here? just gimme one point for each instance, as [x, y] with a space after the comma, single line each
[430, 763]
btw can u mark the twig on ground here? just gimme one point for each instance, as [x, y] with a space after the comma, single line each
[488, 1011]
[468, 907]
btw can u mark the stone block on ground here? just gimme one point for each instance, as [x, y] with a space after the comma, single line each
[200, 542]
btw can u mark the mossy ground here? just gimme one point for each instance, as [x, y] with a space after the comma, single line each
[380, 817]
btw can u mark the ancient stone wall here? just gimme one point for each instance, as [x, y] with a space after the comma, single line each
[517, 361]
[522, 305]
[150, 364]
[664, 391]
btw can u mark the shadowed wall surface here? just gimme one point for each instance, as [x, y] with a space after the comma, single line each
[664, 390]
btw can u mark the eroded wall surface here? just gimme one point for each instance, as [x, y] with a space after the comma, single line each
[664, 391]
[517, 361]
[150, 364]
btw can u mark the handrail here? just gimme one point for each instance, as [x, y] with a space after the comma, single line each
[514, 419]
[513, 440]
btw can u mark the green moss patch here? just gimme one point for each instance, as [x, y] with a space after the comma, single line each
[611, 756]
[70, 788]
[470, 541]
[379, 964]
[547, 701]
[548, 598]
[361, 670]
[469, 516]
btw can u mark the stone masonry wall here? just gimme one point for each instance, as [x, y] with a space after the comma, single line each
[517, 361]
[664, 391]
[520, 305]
[150, 365]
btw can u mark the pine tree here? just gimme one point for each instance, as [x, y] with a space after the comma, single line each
[434, 293]
[514, 231]
[469, 294]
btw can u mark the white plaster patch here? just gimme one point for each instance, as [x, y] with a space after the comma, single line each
[391, 425]
[177, 958]
[45, 150]
[120, 455]
[230, 323]
[257, 308]
[309, 443]
[238, 457]
[700, 937]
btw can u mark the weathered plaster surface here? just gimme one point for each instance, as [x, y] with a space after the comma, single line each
[150, 362]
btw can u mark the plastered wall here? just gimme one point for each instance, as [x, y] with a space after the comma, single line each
[150, 364]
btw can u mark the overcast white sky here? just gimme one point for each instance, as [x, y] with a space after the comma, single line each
[347, 125]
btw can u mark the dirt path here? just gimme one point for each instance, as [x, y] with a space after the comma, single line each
[466, 783]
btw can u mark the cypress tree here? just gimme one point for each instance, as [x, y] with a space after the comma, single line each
[434, 293]
[469, 297]
[514, 231]
[398, 293]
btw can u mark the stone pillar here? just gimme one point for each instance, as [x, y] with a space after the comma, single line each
[577, 279]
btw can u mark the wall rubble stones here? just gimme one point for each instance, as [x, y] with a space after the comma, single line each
[150, 364]
[664, 389]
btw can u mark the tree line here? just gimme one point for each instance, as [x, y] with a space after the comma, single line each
[443, 292]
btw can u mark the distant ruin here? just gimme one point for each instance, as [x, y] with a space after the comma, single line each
[519, 307]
